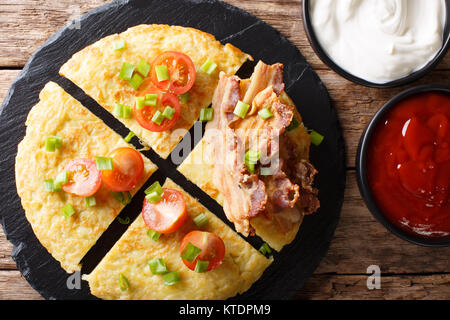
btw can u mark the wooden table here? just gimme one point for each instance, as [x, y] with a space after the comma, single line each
[408, 271]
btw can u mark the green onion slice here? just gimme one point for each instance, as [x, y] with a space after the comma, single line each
[143, 68]
[127, 220]
[168, 113]
[119, 196]
[162, 73]
[171, 278]
[151, 99]
[206, 114]
[129, 136]
[104, 163]
[49, 186]
[158, 118]
[122, 111]
[190, 252]
[265, 113]
[60, 180]
[316, 138]
[126, 73]
[201, 220]
[265, 249]
[157, 266]
[136, 81]
[68, 210]
[294, 124]
[90, 201]
[52, 143]
[153, 235]
[153, 197]
[156, 186]
[252, 156]
[241, 109]
[119, 44]
[209, 66]
[123, 283]
[140, 102]
[201, 266]
[184, 97]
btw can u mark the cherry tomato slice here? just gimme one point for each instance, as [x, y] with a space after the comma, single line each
[144, 116]
[128, 168]
[84, 179]
[167, 215]
[181, 71]
[212, 246]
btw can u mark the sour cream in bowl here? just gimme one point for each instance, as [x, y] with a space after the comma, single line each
[378, 43]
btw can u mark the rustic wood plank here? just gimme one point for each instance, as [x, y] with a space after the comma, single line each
[361, 241]
[19, 40]
[6, 262]
[14, 287]
[404, 287]
[6, 78]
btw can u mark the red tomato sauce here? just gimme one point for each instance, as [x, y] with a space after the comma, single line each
[408, 165]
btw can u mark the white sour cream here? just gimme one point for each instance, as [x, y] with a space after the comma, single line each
[379, 40]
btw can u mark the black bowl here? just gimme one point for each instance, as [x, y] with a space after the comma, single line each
[399, 82]
[361, 176]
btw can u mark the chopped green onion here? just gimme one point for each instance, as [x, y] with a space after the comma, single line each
[143, 68]
[171, 278]
[201, 266]
[241, 109]
[123, 283]
[201, 220]
[206, 114]
[122, 111]
[127, 220]
[129, 136]
[119, 196]
[265, 113]
[157, 266]
[119, 44]
[158, 118]
[168, 113]
[209, 66]
[151, 99]
[126, 73]
[190, 252]
[136, 81]
[294, 124]
[184, 97]
[162, 73]
[140, 102]
[265, 171]
[251, 167]
[252, 156]
[153, 234]
[49, 186]
[316, 138]
[265, 249]
[68, 210]
[52, 143]
[60, 180]
[90, 201]
[153, 197]
[155, 187]
[104, 163]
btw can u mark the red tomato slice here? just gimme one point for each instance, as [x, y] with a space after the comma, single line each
[212, 246]
[84, 179]
[167, 215]
[128, 169]
[181, 71]
[144, 116]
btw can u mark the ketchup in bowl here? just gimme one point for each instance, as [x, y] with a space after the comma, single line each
[408, 165]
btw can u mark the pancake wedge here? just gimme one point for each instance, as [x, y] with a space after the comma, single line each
[276, 202]
[96, 69]
[242, 265]
[83, 136]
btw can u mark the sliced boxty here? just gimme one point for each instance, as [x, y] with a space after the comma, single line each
[126, 271]
[252, 119]
[117, 71]
[61, 131]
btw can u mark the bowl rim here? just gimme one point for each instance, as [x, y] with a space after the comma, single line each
[314, 42]
[361, 176]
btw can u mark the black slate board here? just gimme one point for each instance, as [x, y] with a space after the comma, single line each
[296, 262]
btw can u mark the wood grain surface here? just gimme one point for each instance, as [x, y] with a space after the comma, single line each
[408, 271]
